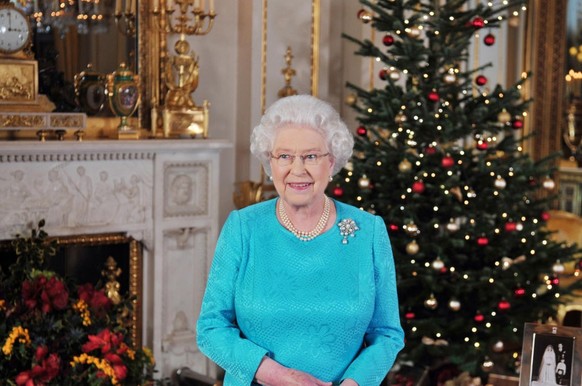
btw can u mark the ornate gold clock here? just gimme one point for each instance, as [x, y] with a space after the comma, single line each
[18, 69]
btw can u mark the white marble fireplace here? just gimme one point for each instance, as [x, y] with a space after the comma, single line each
[163, 193]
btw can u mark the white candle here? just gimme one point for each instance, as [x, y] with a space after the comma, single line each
[133, 7]
[117, 7]
[212, 6]
[169, 5]
[127, 6]
[156, 5]
[202, 5]
[196, 4]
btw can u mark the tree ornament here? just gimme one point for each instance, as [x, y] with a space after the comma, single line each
[519, 226]
[479, 317]
[481, 80]
[361, 131]
[482, 144]
[338, 191]
[456, 191]
[482, 241]
[506, 262]
[405, 165]
[364, 182]
[504, 116]
[503, 305]
[489, 39]
[510, 226]
[388, 40]
[450, 77]
[478, 22]
[410, 315]
[452, 226]
[393, 228]
[400, 117]
[418, 187]
[438, 264]
[431, 303]
[555, 280]
[351, 99]
[548, 183]
[517, 123]
[412, 229]
[558, 267]
[394, 74]
[365, 16]
[447, 162]
[454, 304]
[412, 248]
[430, 150]
[383, 74]
[500, 182]
[545, 216]
[433, 96]
[498, 346]
[519, 292]
[413, 32]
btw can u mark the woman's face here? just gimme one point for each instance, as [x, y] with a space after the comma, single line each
[299, 184]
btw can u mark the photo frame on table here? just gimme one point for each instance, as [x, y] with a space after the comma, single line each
[551, 354]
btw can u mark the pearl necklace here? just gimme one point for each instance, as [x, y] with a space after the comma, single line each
[305, 236]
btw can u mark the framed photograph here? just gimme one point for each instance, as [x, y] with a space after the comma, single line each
[551, 355]
[18, 81]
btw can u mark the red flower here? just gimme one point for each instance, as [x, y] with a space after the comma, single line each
[96, 299]
[112, 346]
[46, 369]
[49, 294]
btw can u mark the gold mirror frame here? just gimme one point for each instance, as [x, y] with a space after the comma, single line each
[545, 50]
[150, 48]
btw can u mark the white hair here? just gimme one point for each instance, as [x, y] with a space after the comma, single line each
[308, 111]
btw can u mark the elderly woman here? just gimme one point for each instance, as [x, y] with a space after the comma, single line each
[302, 289]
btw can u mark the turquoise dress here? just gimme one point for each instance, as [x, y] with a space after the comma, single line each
[324, 307]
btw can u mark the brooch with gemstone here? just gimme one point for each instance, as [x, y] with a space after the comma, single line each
[348, 227]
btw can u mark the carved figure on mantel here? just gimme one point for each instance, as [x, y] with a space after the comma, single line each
[112, 286]
[104, 204]
[17, 192]
[83, 190]
[181, 77]
[131, 207]
[181, 189]
[58, 200]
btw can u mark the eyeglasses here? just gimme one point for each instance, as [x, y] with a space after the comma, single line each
[308, 159]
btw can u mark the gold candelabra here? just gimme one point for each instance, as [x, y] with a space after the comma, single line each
[179, 71]
[288, 74]
[126, 16]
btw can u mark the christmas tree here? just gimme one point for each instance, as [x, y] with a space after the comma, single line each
[439, 155]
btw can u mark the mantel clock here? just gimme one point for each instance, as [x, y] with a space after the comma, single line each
[15, 32]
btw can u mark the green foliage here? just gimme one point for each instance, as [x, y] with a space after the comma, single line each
[465, 206]
[55, 332]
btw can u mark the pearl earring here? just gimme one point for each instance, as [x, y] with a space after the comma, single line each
[330, 178]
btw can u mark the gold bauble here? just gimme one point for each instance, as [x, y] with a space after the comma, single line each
[351, 99]
[504, 117]
[412, 248]
[405, 165]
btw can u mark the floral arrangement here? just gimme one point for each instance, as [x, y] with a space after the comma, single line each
[56, 332]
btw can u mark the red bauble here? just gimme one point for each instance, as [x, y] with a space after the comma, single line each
[482, 241]
[481, 80]
[410, 315]
[545, 216]
[393, 228]
[555, 280]
[504, 305]
[362, 131]
[418, 187]
[430, 150]
[388, 40]
[517, 124]
[479, 317]
[510, 226]
[338, 191]
[478, 22]
[433, 96]
[383, 74]
[448, 161]
[489, 40]
[482, 145]
[519, 292]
